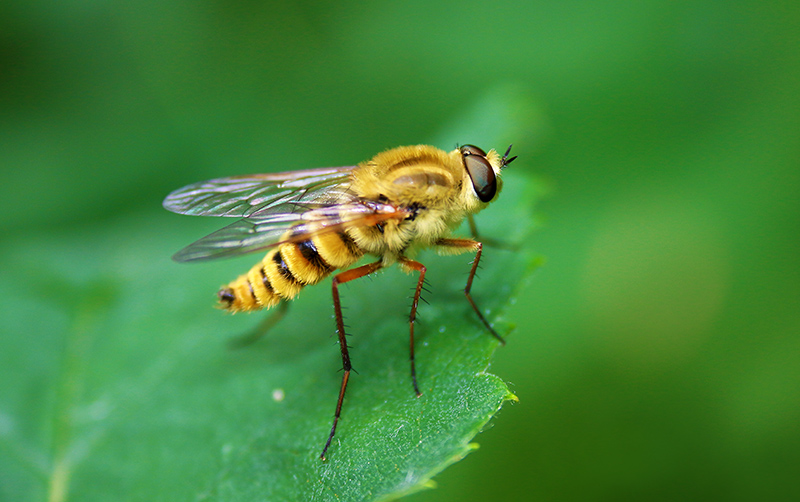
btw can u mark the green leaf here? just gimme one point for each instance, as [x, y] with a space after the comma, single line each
[119, 384]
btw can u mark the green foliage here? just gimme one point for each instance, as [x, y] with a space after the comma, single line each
[123, 387]
[657, 351]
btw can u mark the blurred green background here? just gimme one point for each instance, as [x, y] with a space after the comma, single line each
[656, 355]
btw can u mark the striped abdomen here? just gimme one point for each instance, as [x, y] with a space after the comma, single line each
[285, 270]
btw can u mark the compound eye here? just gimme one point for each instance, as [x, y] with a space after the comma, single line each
[480, 172]
[472, 150]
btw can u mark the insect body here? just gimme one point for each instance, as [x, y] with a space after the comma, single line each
[314, 222]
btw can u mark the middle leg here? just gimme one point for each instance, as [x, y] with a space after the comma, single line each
[412, 265]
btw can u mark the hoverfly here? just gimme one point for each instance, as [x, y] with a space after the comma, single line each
[316, 221]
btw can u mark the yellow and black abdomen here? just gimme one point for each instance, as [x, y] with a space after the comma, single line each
[285, 270]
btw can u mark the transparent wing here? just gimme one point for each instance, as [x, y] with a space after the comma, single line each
[254, 234]
[258, 195]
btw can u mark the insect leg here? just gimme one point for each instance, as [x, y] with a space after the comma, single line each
[473, 230]
[342, 278]
[261, 329]
[477, 247]
[419, 267]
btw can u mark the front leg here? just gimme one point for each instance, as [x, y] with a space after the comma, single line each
[473, 229]
[466, 245]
